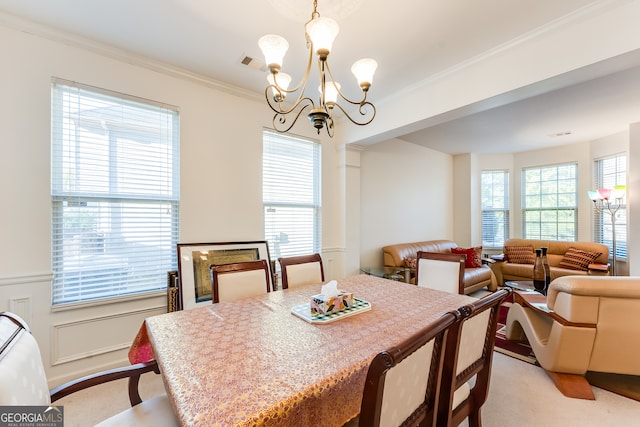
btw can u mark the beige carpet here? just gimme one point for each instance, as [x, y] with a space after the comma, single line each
[626, 385]
[521, 395]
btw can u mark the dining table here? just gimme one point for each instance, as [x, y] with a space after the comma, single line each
[254, 362]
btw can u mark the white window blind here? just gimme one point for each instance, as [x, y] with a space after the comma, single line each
[494, 192]
[291, 194]
[115, 193]
[549, 202]
[609, 172]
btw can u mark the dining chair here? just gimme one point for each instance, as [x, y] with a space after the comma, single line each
[402, 385]
[441, 271]
[23, 380]
[301, 270]
[239, 280]
[469, 354]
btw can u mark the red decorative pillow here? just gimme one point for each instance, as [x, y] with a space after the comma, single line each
[410, 261]
[577, 259]
[469, 256]
[520, 254]
[477, 255]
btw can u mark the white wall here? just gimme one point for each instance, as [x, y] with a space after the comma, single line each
[221, 188]
[406, 196]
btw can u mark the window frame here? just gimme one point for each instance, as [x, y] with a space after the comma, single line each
[91, 179]
[491, 208]
[544, 210]
[276, 236]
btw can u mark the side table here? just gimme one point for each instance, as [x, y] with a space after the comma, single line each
[402, 274]
[520, 285]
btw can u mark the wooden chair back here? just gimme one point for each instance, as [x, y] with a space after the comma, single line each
[301, 270]
[239, 280]
[402, 385]
[442, 271]
[469, 353]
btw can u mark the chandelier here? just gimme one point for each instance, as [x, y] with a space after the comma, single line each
[320, 33]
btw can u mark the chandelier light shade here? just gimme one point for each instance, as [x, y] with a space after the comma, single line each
[273, 48]
[364, 70]
[609, 200]
[320, 33]
[330, 92]
[283, 82]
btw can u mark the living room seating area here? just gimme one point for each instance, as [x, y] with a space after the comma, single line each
[477, 273]
[565, 258]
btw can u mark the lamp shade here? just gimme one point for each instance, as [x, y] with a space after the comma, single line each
[605, 193]
[364, 69]
[330, 92]
[618, 191]
[594, 195]
[322, 32]
[279, 80]
[273, 48]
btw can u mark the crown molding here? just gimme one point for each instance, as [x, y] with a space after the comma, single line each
[578, 15]
[103, 49]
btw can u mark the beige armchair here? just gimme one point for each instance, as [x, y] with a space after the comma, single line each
[586, 323]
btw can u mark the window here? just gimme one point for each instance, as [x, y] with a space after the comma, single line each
[609, 172]
[291, 194]
[549, 202]
[114, 193]
[494, 192]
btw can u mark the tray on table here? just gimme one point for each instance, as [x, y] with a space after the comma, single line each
[304, 312]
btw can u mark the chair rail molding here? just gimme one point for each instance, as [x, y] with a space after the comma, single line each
[26, 278]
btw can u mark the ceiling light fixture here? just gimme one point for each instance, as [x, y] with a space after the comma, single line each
[320, 33]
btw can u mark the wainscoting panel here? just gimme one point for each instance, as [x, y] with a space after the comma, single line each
[21, 307]
[85, 338]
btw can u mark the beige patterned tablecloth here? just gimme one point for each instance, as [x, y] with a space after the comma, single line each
[252, 362]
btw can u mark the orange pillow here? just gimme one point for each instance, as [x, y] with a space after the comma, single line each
[520, 254]
[577, 259]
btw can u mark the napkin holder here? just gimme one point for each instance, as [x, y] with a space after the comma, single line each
[322, 304]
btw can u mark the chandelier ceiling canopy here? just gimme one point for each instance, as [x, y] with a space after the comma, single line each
[320, 33]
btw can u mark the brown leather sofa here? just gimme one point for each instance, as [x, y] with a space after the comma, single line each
[505, 269]
[474, 278]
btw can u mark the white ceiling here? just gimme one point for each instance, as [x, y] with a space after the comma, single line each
[411, 40]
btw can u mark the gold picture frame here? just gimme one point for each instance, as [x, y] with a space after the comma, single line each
[194, 260]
